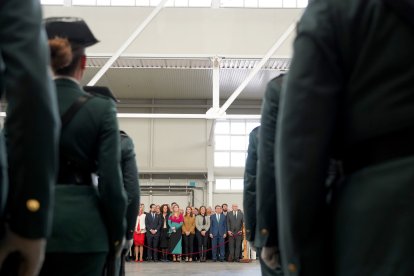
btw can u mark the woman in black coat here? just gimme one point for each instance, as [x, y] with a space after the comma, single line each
[165, 213]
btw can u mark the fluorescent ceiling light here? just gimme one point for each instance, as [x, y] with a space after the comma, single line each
[177, 116]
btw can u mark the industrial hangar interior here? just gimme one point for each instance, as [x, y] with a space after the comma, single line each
[190, 76]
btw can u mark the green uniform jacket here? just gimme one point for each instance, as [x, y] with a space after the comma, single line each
[131, 182]
[266, 228]
[32, 123]
[86, 216]
[249, 191]
[351, 81]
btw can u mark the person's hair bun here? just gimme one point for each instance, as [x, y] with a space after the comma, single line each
[60, 52]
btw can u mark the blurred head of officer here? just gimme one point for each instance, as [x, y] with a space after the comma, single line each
[68, 38]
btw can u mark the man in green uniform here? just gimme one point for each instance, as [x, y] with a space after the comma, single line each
[349, 95]
[131, 184]
[31, 130]
[266, 237]
[130, 178]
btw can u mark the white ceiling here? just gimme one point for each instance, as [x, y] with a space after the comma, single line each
[171, 58]
[132, 79]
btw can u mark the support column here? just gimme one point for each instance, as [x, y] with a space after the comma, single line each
[213, 111]
[210, 162]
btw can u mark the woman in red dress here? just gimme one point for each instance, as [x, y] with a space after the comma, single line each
[139, 235]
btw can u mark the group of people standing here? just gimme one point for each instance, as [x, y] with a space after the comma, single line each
[164, 231]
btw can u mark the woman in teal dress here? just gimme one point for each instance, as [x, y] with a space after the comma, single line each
[175, 221]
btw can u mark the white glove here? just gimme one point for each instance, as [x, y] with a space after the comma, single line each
[118, 248]
[252, 247]
[270, 257]
[32, 252]
[128, 244]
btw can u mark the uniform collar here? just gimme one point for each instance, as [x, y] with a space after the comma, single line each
[59, 77]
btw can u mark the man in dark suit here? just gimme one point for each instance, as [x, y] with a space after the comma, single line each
[348, 95]
[31, 132]
[218, 230]
[153, 225]
[234, 231]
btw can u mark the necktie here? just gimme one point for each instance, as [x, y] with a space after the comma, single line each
[153, 216]
[218, 218]
[204, 220]
[235, 214]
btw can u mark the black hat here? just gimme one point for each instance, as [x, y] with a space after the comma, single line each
[100, 90]
[73, 28]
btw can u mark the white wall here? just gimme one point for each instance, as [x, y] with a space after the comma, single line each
[229, 198]
[168, 145]
[183, 200]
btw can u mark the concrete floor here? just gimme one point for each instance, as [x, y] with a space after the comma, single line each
[196, 269]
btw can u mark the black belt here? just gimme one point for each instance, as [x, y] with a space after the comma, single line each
[74, 178]
[378, 150]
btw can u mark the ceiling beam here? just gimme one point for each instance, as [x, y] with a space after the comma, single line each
[178, 116]
[124, 46]
[257, 68]
[187, 116]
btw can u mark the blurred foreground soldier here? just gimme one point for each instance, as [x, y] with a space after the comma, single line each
[88, 221]
[129, 170]
[349, 95]
[131, 184]
[266, 237]
[32, 132]
[249, 191]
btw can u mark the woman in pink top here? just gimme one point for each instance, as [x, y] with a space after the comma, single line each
[175, 221]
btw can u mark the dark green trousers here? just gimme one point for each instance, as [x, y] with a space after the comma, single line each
[73, 264]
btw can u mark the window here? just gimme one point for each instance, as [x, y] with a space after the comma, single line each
[222, 184]
[51, 2]
[181, 3]
[302, 3]
[185, 3]
[289, 3]
[263, 3]
[236, 184]
[138, 3]
[229, 184]
[103, 2]
[251, 4]
[232, 3]
[231, 142]
[271, 3]
[222, 159]
[84, 2]
[199, 3]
